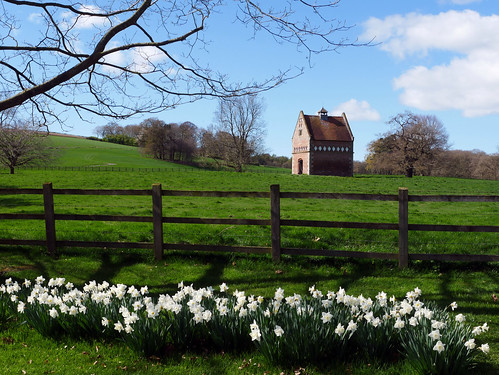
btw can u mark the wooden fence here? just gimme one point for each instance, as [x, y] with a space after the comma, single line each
[275, 222]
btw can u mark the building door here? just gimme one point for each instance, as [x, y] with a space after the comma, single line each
[300, 166]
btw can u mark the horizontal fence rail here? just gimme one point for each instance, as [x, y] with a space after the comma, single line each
[158, 220]
[188, 169]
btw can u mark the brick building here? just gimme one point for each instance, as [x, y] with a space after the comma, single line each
[322, 145]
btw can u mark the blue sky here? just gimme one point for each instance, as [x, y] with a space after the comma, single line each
[437, 57]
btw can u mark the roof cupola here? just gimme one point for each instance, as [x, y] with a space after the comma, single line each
[322, 113]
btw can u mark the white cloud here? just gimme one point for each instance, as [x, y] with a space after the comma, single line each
[69, 20]
[87, 22]
[358, 110]
[459, 2]
[144, 58]
[453, 31]
[36, 18]
[469, 82]
[118, 58]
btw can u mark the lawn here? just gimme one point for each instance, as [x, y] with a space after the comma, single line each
[470, 285]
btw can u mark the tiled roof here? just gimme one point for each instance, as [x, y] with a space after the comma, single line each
[332, 128]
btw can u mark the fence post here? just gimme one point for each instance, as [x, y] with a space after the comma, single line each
[48, 207]
[275, 220]
[403, 227]
[157, 220]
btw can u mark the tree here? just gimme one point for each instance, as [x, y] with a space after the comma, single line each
[21, 143]
[168, 141]
[413, 144]
[155, 140]
[109, 130]
[120, 58]
[467, 164]
[240, 129]
[380, 158]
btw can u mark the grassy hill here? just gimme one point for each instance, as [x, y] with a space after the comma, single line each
[82, 152]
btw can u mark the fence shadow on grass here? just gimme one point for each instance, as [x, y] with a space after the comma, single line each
[111, 266]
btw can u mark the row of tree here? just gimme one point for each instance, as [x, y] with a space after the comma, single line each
[235, 140]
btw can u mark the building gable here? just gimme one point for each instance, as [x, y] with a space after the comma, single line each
[302, 131]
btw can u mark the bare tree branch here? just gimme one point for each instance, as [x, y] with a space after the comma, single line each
[118, 59]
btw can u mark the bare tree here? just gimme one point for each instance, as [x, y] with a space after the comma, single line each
[21, 143]
[467, 164]
[413, 144]
[240, 129]
[110, 129]
[168, 141]
[120, 58]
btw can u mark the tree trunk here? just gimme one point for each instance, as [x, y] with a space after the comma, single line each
[409, 172]
[11, 170]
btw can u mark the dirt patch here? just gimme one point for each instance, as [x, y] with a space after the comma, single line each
[17, 268]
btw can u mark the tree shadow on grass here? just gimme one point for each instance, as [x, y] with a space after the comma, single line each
[33, 261]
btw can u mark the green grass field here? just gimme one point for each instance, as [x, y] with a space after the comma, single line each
[470, 285]
[81, 152]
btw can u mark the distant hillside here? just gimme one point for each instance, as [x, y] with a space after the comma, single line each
[81, 152]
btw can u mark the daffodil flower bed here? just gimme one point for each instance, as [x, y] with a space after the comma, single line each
[288, 330]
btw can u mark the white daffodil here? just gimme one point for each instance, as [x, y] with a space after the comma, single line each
[484, 348]
[352, 326]
[435, 335]
[399, 324]
[20, 307]
[118, 326]
[326, 317]
[53, 313]
[278, 331]
[339, 330]
[207, 315]
[476, 331]
[460, 318]
[255, 335]
[376, 322]
[470, 344]
[439, 347]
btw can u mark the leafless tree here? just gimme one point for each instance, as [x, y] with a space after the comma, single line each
[110, 129]
[168, 141]
[21, 143]
[468, 164]
[413, 144]
[240, 129]
[120, 58]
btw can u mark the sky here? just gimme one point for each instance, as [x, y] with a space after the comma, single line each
[438, 57]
